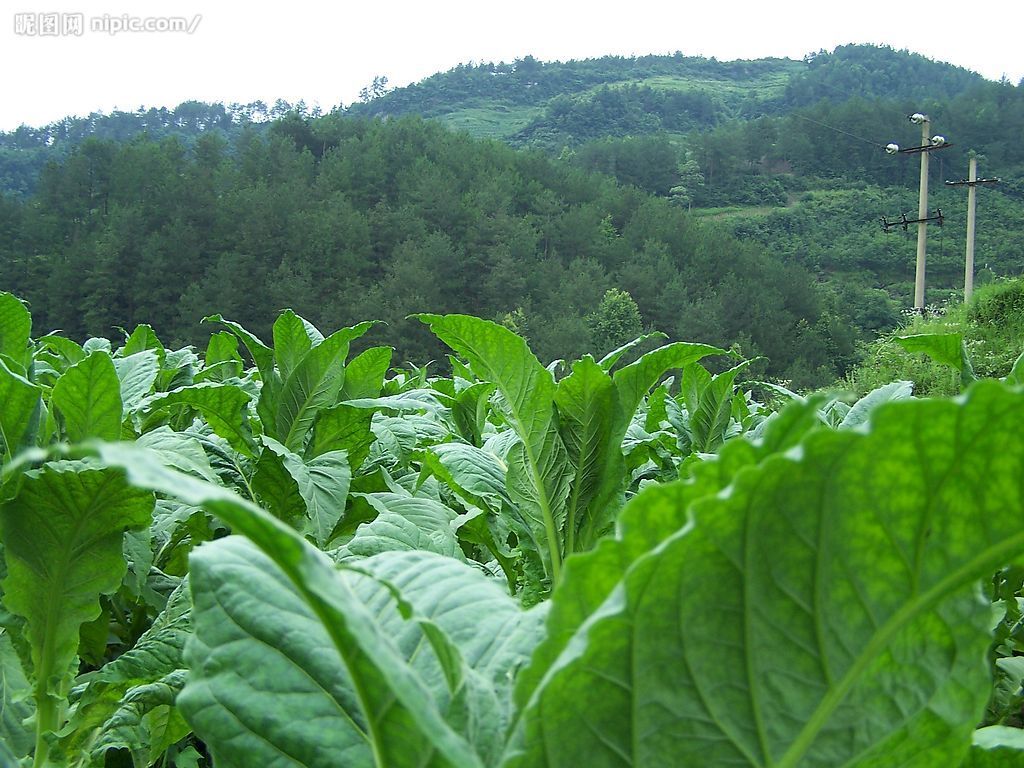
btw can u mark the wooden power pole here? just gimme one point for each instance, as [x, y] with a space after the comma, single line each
[928, 145]
[970, 182]
[922, 214]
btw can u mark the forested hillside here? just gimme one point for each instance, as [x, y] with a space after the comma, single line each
[344, 219]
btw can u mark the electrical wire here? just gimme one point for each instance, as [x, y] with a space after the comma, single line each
[840, 130]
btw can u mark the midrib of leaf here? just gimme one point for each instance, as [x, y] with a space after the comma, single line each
[989, 558]
[748, 635]
[48, 706]
[574, 499]
[538, 480]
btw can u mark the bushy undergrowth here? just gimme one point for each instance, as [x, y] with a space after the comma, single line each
[992, 327]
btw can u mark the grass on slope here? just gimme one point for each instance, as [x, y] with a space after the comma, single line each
[500, 121]
[992, 326]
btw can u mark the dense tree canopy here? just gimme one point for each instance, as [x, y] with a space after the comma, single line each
[345, 219]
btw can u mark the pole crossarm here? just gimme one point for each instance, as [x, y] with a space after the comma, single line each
[922, 148]
[904, 222]
[969, 183]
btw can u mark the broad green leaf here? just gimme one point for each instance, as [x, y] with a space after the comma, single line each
[137, 374]
[343, 428]
[88, 396]
[313, 385]
[499, 356]
[831, 603]
[587, 405]
[145, 723]
[608, 361]
[404, 727]
[322, 484]
[538, 477]
[861, 411]
[472, 473]
[19, 410]
[291, 342]
[469, 411]
[261, 354]
[596, 419]
[634, 381]
[539, 485]
[221, 361]
[179, 450]
[708, 401]
[16, 705]
[156, 655]
[224, 406]
[364, 373]
[276, 490]
[944, 348]
[62, 539]
[413, 401]
[15, 329]
[142, 339]
[996, 746]
[406, 523]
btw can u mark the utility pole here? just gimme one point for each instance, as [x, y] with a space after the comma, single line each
[971, 182]
[928, 144]
[922, 213]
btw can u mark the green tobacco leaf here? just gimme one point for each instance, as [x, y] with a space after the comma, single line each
[346, 429]
[469, 411]
[221, 361]
[241, 667]
[146, 723]
[179, 450]
[587, 405]
[406, 523]
[708, 401]
[404, 725]
[861, 411]
[261, 354]
[608, 361]
[472, 473]
[597, 420]
[321, 484]
[62, 538]
[15, 329]
[15, 701]
[538, 478]
[143, 339]
[224, 406]
[996, 747]
[138, 374]
[291, 342]
[312, 386]
[945, 348]
[831, 601]
[157, 654]
[19, 408]
[364, 374]
[88, 396]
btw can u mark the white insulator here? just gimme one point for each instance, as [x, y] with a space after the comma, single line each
[917, 118]
[892, 149]
[938, 141]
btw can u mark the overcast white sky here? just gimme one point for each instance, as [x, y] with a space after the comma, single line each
[324, 53]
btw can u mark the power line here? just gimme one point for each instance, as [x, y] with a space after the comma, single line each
[840, 130]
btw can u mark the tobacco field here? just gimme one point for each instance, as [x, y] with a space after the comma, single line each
[282, 553]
